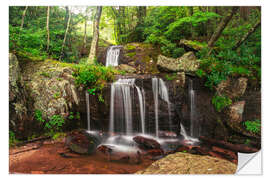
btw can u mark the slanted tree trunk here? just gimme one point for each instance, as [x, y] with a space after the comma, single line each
[84, 37]
[244, 38]
[94, 44]
[47, 26]
[221, 27]
[65, 37]
[23, 15]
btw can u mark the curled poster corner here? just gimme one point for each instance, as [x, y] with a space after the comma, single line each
[249, 163]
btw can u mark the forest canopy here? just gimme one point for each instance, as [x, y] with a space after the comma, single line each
[228, 39]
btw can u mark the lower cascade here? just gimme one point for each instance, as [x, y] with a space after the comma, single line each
[129, 116]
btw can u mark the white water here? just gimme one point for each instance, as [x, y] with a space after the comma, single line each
[186, 137]
[164, 94]
[155, 92]
[142, 108]
[192, 110]
[159, 88]
[112, 56]
[121, 94]
[87, 109]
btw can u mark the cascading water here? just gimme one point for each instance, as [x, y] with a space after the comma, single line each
[142, 107]
[121, 95]
[155, 92]
[193, 123]
[160, 89]
[87, 109]
[112, 56]
[192, 108]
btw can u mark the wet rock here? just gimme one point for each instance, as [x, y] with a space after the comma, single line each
[168, 134]
[81, 142]
[146, 143]
[185, 163]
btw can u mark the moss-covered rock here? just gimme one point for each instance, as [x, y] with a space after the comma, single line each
[186, 63]
[190, 45]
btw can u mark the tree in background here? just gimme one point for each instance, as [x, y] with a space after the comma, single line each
[94, 44]
[48, 31]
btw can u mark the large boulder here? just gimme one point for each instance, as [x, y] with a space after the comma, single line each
[233, 88]
[41, 86]
[82, 142]
[18, 100]
[186, 63]
[52, 88]
[235, 121]
[185, 163]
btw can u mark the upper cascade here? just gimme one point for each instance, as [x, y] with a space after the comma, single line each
[112, 56]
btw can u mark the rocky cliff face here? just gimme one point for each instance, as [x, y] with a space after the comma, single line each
[49, 86]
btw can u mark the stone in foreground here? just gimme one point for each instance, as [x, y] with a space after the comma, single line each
[185, 163]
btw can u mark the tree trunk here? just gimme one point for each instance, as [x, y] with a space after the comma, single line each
[94, 44]
[65, 37]
[23, 15]
[84, 37]
[48, 31]
[252, 30]
[221, 27]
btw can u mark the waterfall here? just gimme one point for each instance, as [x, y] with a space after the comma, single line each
[121, 94]
[194, 123]
[160, 89]
[164, 94]
[112, 56]
[142, 107]
[155, 92]
[87, 109]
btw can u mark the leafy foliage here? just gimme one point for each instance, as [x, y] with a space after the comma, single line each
[94, 78]
[12, 138]
[253, 126]
[220, 102]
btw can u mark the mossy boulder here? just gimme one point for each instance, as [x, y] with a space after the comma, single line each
[186, 63]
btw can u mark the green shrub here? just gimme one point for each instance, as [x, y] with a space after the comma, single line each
[171, 77]
[12, 138]
[253, 126]
[54, 124]
[38, 115]
[94, 78]
[220, 102]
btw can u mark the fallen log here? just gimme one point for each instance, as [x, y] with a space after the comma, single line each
[33, 140]
[233, 147]
[26, 149]
[225, 152]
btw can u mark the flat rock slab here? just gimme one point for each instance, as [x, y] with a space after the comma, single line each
[184, 163]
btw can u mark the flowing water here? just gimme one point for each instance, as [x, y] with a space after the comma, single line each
[112, 56]
[159, 88]
[122, 99]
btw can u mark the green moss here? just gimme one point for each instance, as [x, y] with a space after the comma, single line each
[131, 54]
[171, 77]
[129, 47]
[45, 74]
[57, 95]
